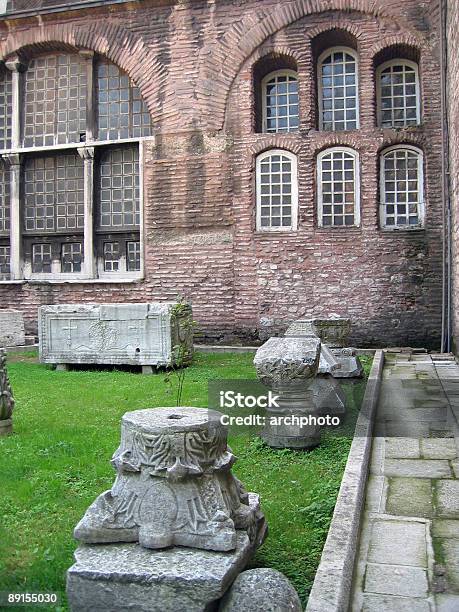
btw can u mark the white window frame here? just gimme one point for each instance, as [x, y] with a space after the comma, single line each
[21, 271]
[264, 83]
[379, 70]
[382, 188]
[320, 202]
[294, 190]
[322, 58]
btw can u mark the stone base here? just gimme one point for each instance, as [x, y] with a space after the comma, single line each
[122, 577]
[349, 362]
[6, 427]
[11, 327]
[329, 397]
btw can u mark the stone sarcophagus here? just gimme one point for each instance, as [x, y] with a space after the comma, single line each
[132, 334]
[11, 327]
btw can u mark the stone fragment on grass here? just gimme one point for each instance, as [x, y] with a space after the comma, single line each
[6, 398]
[261, 590]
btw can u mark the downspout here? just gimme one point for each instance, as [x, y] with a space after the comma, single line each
[446, 201]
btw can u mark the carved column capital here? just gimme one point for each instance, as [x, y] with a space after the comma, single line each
[15, 63]
[86, 153]
[12, 159]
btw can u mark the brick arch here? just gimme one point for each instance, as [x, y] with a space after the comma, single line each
[111, 40]
[221, 61]
[276, 141]
[403, 138]
[275, 50]
[403, 39]
[339, 24]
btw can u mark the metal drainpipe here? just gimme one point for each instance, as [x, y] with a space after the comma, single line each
[446, 201]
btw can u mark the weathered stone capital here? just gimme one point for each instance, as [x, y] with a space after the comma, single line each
[15, 64]
[284, 362]
[86, 153]
[86, 53]
[12, 159]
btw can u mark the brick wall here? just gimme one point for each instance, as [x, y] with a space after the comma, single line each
[453, 121]
[193, 61]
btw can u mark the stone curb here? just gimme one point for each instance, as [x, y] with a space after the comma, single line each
[331, 590]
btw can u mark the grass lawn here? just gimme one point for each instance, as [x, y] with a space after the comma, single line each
[67, 426]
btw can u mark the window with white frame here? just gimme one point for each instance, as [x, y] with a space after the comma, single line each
[338, 90]
[71, 128]
[280, 101]
[277, 191]
[338, 187]
[402, 192]
[398, 94]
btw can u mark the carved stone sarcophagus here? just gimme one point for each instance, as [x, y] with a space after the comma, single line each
[133, 334]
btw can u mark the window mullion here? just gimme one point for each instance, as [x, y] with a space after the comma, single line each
[91, 130]
[87, 153]
[14, 161]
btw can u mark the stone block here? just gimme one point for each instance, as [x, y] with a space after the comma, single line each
[402, 448]
[404, 541]
[390, 603]
[399, 580]
[445, 528]
[261, 590]
[11, 327]
[438, 448]
[121, 577]
[417, 468]
[410, 497]
[448, 498]
[133, 334]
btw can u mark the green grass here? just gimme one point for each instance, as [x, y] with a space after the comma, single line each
[67, 426]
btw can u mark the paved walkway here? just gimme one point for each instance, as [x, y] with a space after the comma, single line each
[408, 559]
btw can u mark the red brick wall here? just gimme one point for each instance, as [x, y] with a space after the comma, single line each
[193, 62]
[453, 121]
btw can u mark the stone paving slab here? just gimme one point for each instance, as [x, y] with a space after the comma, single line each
[438, 448]
[410, 497]
[390, 603]
[420, 468]
[402, 448]
[405, 541]
[445, 528]
[447, 603]
[396, 580]
[448, 498]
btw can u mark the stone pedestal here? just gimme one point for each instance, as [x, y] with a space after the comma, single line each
[349, 363]
[11, 328]
[131, 334]
[288, 367]
[6, 399]
[121, 577]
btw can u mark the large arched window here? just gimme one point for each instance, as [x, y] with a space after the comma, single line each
[280, 101]
[277, 191]
[397, 84]
[338, 187]
[70, 202]
[402, 190]
[338, 89]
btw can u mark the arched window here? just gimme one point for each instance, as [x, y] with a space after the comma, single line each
[277, 191]
[338, 89]
[402, 191]
[338, 187]
[398, 94]
[280, 101]
[75, 169]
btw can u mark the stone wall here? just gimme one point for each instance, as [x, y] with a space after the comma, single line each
[453, 121]
[193, 61]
